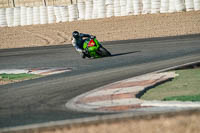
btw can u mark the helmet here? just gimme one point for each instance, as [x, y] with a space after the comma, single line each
[75, 34]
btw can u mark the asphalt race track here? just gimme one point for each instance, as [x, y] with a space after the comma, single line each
[43, 99]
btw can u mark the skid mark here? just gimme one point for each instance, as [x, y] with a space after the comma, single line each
[45, 38]
[63, 38]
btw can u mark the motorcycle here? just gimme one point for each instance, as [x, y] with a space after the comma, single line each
[93, 49]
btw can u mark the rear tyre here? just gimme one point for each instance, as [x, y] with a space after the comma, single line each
[103, 52]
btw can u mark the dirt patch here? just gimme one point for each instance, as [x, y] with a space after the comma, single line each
[109, 29]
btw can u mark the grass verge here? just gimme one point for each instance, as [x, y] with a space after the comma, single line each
[185, 87]
[10, 78]
[17, 76]
[193, 98]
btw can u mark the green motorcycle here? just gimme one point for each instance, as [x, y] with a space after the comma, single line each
[93, 49]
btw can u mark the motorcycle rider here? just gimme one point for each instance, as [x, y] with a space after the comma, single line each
[78, 40]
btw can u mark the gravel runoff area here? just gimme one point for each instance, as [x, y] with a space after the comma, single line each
[109, 29]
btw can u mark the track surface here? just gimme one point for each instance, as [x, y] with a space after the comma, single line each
[42, 100]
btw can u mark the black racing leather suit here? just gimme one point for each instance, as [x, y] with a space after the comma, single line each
[78, 42]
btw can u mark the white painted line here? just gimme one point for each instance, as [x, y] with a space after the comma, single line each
[176, 67]
[13, 71]
[171, 104]
[39, 71]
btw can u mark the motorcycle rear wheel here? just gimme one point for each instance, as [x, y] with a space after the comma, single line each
[103, 52]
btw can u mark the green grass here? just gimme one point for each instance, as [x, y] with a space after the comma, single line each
[193, 98]
[185, 87]
[22, 76]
